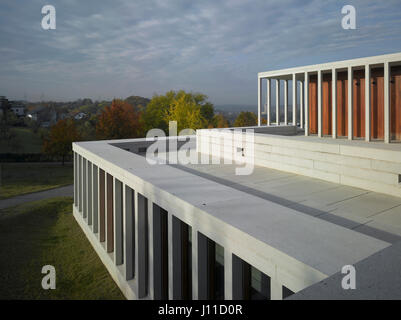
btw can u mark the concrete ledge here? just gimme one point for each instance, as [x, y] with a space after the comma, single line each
[377, 277]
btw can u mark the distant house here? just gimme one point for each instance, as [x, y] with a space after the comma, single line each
[33, 116]
[80, 116]
[17, 108]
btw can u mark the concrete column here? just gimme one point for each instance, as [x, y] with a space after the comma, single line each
[228, 274]
[277, 102]
[195, 252]
[109, 213]
[84, 189]
[141, 245]
[155, 252]
[301, 104]
[118, 222]
[260, 102]
[129, 233]
[319, 103]
[350, 104]
[203, 281]
[95, 199]
[285, 102]
[102, 205]
[75, 180]
[79, 183]
[268, 102]
[294, 99]
[334, 102]
[387, 75]
[90, 192]
[306, 88]
[276, 290]
[367, 103]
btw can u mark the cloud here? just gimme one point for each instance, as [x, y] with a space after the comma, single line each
[106, 49]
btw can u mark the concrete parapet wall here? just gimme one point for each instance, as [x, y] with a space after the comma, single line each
[354, 163]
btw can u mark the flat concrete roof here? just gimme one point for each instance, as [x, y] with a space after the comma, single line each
[274, 220]
[371, 213]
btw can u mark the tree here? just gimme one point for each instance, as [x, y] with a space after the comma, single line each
[246, 119]
[154, 115]
[186, 112]
[119, 121]
[61, 136]
[190, 110]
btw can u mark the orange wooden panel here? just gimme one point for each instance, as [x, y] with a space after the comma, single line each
[313, 125]
[110, 225]
[342, 104]
[377, 104]
[395, 103]
[359, 110]
[327, 115]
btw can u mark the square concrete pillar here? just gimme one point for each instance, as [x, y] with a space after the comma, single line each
[278, 102]
[118, 223]
[294, 99]
[367, 103]
[268, 102]
[109, 214]
[141, 245]
[229, 274]
[276, 288]
[350, 104]
[129, 232]
[285, 102]
[260, 101]
[154, 253]
[102, 205]
[75, 179]
[84, 188]
[301, 104]
[195, 254]
[89, 192]
[306, 97]
[95, 199]
[80, 191]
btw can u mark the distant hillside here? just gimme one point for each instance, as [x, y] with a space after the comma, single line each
[236, 107]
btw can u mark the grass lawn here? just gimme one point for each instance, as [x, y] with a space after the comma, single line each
[25, 142]
[21, 178]
[42, 233]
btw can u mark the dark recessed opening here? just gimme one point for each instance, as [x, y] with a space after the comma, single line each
[399, 178]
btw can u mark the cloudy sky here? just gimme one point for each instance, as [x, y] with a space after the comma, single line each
[104, 49]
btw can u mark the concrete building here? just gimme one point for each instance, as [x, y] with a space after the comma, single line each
[354, 99]
[17, 108]
[311, 206]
